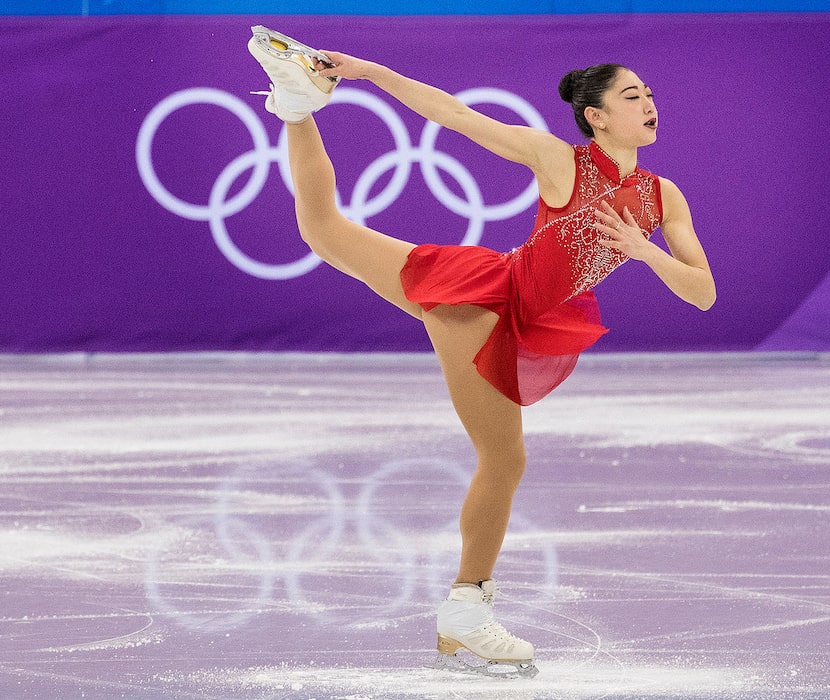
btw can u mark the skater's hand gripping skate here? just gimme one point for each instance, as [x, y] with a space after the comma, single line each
[343, 66]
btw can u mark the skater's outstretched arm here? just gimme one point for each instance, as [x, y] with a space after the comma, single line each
[537, 149]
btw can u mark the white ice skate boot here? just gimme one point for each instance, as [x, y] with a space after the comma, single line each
[297, 88]
[466, 621]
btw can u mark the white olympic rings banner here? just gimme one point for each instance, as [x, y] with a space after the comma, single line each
[362, 205]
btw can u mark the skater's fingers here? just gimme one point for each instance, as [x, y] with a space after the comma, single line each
[324, 64]
[328, 72]
[337, 64]
[343, 65]
[333, 56]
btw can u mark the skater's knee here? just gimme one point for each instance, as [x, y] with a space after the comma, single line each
[314, 227]
[516, 470]
[503, 448]
[309, 233]
[503, 467]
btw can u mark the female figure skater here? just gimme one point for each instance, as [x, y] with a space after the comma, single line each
[506, 327]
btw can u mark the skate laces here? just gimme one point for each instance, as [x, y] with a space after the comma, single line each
[496, 629]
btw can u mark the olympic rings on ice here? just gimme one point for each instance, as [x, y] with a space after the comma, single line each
[363, 204]
[249, 550]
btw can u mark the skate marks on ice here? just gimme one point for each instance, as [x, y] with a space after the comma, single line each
[255, 526]
[554, 682]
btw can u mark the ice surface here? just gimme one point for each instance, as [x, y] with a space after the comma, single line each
[283, 526]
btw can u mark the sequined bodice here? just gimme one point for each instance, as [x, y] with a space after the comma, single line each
[562, 257]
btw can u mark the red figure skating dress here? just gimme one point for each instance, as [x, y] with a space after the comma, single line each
[547, 316]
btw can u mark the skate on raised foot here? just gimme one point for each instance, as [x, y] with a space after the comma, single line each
[466, 622]
[297, 88]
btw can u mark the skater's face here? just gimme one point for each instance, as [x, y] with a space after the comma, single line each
[627, 114]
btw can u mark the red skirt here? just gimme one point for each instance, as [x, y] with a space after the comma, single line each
[527, 354]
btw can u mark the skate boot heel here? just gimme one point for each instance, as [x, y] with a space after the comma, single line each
[447, 645]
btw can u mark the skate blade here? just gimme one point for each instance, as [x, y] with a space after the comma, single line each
[482, 667]
[282, 46]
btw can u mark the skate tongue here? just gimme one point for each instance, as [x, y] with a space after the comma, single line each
[489, 587]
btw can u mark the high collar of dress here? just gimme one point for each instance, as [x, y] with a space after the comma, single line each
[609, 167]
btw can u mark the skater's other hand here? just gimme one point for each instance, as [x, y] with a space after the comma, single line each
[343, 65]
[622, 232]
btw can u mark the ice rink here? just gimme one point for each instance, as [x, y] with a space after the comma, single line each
[283, 526]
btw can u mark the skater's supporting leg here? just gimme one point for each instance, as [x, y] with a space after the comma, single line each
[494, 424]
[367, 255]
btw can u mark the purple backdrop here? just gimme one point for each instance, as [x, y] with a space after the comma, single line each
[92, 260]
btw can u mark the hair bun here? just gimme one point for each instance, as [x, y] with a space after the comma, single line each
[568, 84]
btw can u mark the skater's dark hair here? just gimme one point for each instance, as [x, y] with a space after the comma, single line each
[585, 88]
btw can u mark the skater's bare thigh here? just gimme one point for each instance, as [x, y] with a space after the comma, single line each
[363, 253]
[493, 422]
[377, 260]
[370, 256]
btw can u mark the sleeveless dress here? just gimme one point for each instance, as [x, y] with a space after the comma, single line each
[540, 290]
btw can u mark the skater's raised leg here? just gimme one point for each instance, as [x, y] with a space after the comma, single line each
[297, 90]
[372, 257]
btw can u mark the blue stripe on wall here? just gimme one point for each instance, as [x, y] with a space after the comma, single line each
[409, 7]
